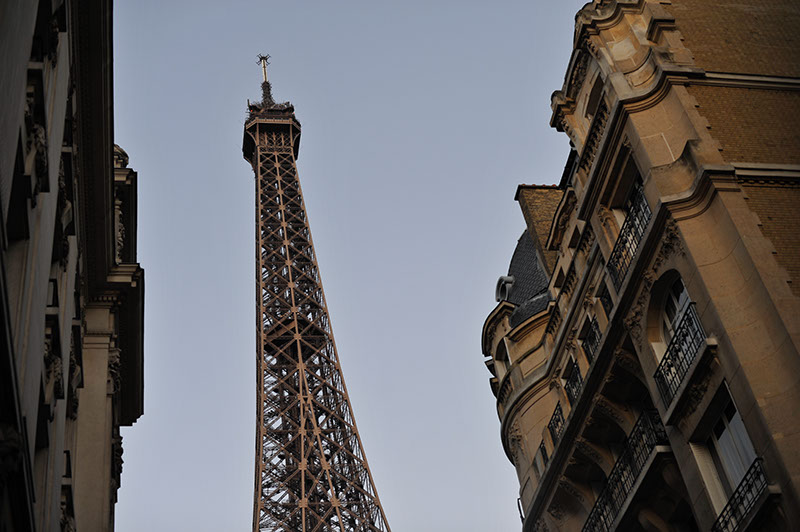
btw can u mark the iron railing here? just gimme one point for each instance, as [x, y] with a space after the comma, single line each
[681, 352]
[647, 433]
[743, 499]
[592, 339]
[574, 383]
[556, 423]
[630, 235]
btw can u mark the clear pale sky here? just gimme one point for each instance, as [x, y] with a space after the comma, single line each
[419, 121]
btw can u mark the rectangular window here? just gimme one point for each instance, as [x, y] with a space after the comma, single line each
[731, 448]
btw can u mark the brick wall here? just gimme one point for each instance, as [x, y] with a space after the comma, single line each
[538, 204]
[778, 207]
[750, 37]
[752, 125]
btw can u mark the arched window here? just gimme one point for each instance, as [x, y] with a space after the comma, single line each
[675, 304]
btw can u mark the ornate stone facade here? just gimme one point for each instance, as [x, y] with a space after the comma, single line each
[71, 290]
[660, 383]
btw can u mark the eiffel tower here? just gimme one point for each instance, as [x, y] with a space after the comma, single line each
[311, 473]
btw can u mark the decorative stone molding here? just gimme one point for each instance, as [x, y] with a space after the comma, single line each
[53, 367]
[554, 322]
[628, 362]
[557, 511]
[116, 459]
[569, 282]
[114, 377]
[696, 391]
[613, 411]
[564, 214]
[515, 443]
[571, 343]
[578, 75]
[670, 243]
[587, 239]
[588, 297]
[590, 452]
[570, 488]
[596, 132]
[605, 216]
[119, 241]
[74, 378]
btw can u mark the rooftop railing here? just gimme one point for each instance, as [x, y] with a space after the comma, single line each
[647, 433]
[629, 236]
[741, 503]
[681, 352]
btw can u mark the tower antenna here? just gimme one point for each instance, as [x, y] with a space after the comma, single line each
[264, 60]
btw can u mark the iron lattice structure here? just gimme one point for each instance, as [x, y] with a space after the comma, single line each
[311, 471]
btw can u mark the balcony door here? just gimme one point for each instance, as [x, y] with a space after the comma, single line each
[674, 308]
[731, 447]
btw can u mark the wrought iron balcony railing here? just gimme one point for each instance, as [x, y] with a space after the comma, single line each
[629, 236]
[741, 503]
[647, 433]
[592, 339]
[681, 352]
[574, 383]
[556, 423]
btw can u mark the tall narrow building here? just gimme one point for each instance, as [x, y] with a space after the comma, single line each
[311, 472]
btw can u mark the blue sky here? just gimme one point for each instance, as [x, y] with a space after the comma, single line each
[419, 121]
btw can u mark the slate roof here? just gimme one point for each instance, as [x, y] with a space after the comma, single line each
[529, 291]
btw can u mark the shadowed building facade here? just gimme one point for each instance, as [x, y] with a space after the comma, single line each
[644, 348]
[71, 290]
[311, 472]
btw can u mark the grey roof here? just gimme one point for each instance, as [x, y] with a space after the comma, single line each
[529, 291]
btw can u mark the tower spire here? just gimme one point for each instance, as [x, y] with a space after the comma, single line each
[266, 87]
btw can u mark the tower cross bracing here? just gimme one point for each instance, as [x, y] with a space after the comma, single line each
[311, 470]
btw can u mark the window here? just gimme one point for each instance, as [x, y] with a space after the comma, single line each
[731, 448]
[675, 305]
[594, 98]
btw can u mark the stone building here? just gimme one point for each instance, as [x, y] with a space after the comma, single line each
[71, 290]
[644, 348]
